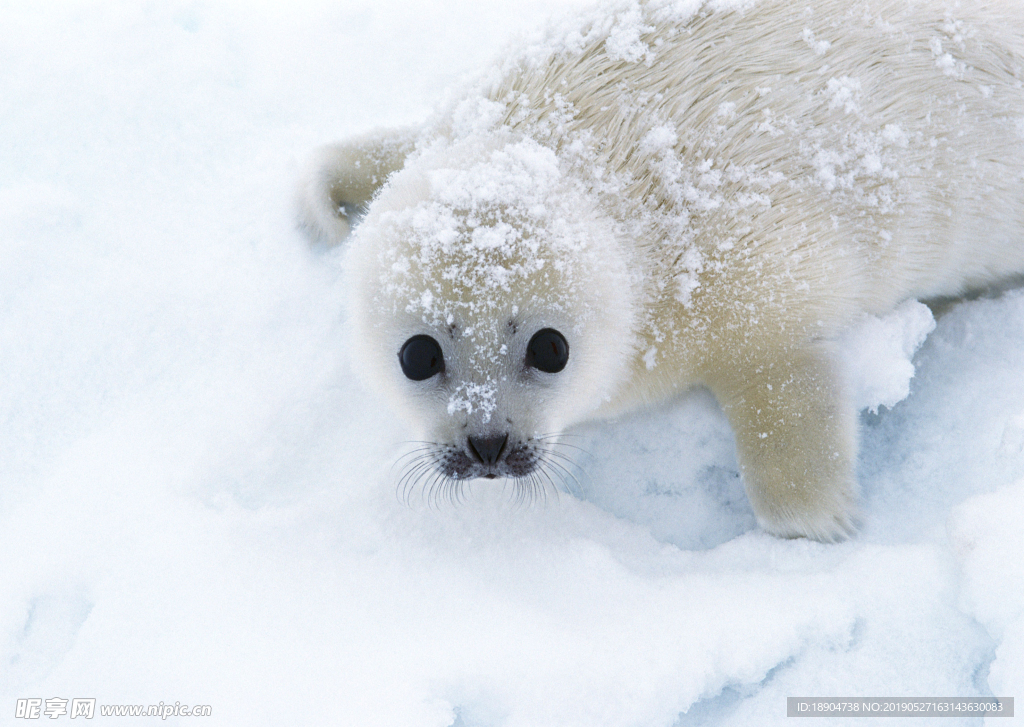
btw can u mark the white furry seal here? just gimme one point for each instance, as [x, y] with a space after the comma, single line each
[665, 194]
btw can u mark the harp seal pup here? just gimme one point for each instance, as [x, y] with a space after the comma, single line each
[655, 195]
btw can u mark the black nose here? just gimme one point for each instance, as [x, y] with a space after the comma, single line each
[488, 449]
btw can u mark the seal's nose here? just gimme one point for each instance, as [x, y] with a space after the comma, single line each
[488, 449]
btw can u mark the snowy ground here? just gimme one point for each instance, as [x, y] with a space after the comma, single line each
[195, 502]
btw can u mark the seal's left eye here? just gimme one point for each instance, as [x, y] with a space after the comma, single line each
[547, 351]
[421, 358]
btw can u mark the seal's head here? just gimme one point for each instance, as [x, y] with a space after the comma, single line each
[492, 303]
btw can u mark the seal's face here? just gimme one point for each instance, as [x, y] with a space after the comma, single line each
[492, 304]
[490, 449]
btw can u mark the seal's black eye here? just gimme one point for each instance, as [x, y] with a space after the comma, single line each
[421, 358]
[547, 351]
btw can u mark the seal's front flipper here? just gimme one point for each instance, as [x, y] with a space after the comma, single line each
[342, 178]
[796, 440]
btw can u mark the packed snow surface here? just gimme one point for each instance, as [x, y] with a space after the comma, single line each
[196, 497]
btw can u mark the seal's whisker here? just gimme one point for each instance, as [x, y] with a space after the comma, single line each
[560, 435]
[566, 486]
[528, 488]
[412, 457]
[540, 472]
[569, 446]
[428, 492]
[407, 470]
[415, 458]
[537, 491]
[562, 456]
[516, 497]
[413, 476]
[554, 440]
[441, 490]
[552, 443]
[414, 452]
[453, 491]
[543, 466]
[580, 490]
[521, 495]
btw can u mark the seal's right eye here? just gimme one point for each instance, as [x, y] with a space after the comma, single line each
[421, 358]
[547, 351]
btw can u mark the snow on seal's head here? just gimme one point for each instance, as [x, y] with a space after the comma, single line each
[491, 302]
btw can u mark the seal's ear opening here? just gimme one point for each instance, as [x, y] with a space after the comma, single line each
[547, 351]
